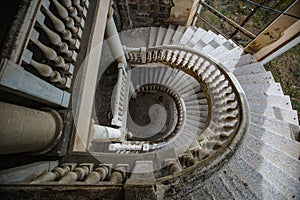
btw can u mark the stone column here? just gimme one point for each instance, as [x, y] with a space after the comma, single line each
[114, 42]
[28, 130]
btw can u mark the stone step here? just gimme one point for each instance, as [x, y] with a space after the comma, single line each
[254, 68]
[246, 60]
[268, 88]
[205, 39]
[196, 37]
[220, 188]
[153, 36]
[254, 180]
[138, 37]
[261, 78]
[288, 146]
[216, 193]
[230, 59]
[287, 130]
[177, 35]
[211, 191]
[286, 184]
[160, 36]
[278, 158]
[283, 102]
[237, 189]
[218, 50]
[219, 40]
[188, 34]
[169, 34]
[289, 116]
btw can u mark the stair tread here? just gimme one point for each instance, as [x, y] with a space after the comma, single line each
[279, 178]
[254, 68]
[286, 145]
[283, 102]
[287, 130]
[153, 36]
[160, 36]
[289, 116]
[221, 189]
[265, 77]
[268, 88]
[280, 159]
[169, 34]
[188, 34]
[177, 35]
[254, 180]
[246, 60]
[196, 37]
[137, 37]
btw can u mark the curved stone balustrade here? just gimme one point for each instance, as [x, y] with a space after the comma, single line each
[228, 110]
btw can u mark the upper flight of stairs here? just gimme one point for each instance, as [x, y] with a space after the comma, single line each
[266, 166]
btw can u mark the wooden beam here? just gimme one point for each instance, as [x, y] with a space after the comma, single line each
[279, 32]
[92, 63]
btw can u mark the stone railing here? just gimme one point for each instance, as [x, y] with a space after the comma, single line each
[47, 48]
[228, 109]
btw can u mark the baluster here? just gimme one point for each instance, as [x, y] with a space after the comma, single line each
[78, 173]
[62, 46]
[99, 174]
[186, 59]
[80, 9]
[192, 61]
[63, 13]
[174, 56]
[187, 160]
[73, 11]
[118, 175]
[56, 173]
[174, 168]
[60, 27]
[50, 54]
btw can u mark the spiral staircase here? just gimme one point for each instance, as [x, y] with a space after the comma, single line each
[236, 132]
[188, 116]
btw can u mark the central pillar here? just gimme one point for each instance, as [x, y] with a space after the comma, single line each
[28, 130]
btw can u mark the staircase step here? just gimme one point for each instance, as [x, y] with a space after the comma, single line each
[234, 186]
[188, 34]
[280, 159]
[231, 58]
[177, 35]
[221, 190]
[269, 88]
[254, 68]
[289, 116]
[287, 130]
[211, 191]
[254, 180]
[283, 102]
[137, 37]
[229, 44]
[214, 190]
[246, 60]
[160, 36]
[169, 34]
[204, 40]
[265, 77]
[288, 146]
[196, 37]
[286, 184]
[217, 51]
[153, 36]
[218, 40]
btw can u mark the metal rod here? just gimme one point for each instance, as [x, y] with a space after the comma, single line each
[211, 26]
[229, 21]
